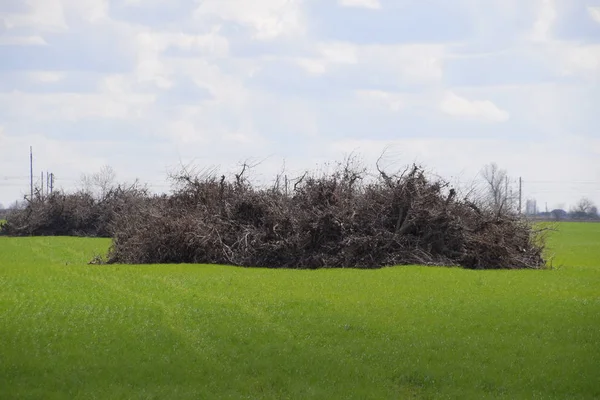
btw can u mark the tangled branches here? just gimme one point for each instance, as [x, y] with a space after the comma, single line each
[74, 214]
[335, 220]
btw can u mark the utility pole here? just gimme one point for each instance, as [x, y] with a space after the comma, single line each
[51, 182]
[520, 193]
[42, 185]
[31, 172]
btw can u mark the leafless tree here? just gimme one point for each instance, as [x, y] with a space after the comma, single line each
[584, 209]
[18, 205]
[497, 194]
[584, 206]
[99, 183]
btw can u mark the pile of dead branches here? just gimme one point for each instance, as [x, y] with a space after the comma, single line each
[341, 219]
[74, 214]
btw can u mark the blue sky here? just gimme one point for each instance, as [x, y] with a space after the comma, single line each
[143, 86]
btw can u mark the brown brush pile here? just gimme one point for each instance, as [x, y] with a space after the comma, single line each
[74, 214]
[334, 220]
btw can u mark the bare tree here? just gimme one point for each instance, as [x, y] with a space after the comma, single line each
[18, 205]
[584, 209]
[584, 206]
[99, 183]
[497, 194]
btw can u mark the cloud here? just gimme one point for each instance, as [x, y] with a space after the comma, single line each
[267, 19]
[394, 101]
[338, 52]
[395, 22]
[149, 48]
[41, 15]
[542, 27]
[416, 63]
[370, 4]
[142, 3]
[594, 13]
[329, 55]
[90, 10]
[220, 81]
[583, 60]
[46, 76]
[461, 107]
[116, 98]
[397, 64]
[33, 40]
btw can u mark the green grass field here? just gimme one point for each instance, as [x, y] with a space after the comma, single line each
[69, 330]
[576, 244]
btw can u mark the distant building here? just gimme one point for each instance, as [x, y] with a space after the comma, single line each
[531, 207]
[559, 214]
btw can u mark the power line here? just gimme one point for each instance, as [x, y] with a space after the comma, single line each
[564, 182]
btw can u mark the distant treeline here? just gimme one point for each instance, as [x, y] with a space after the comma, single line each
[561, 215]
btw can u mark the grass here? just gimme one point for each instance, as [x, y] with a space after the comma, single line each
[576, 243]
[69, 330]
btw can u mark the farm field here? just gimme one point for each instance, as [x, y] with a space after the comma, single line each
[69, 330]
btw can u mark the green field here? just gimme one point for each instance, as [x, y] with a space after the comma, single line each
[69, 330]
[576, 244]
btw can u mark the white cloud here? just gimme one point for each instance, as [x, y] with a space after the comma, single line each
[461, 107]
[46, 76]
[370, 4]
[594, 13]
[547, 16]
[269, 19]
[186, 132]
[115, 100]
[382, 85]
[42, 15]
[33, 40]
[212, 44]
[89, 10]
[584, 59]
[312, 65]
[329, 55]
[149, 46]
[227, 90]
[410, 63]
[571, 59]
[394, 101]
[51, 15]
[338, 52]
[144, 2]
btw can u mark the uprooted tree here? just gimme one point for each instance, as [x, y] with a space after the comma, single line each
[347, 218]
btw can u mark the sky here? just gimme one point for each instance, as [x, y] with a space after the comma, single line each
[148, 86]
